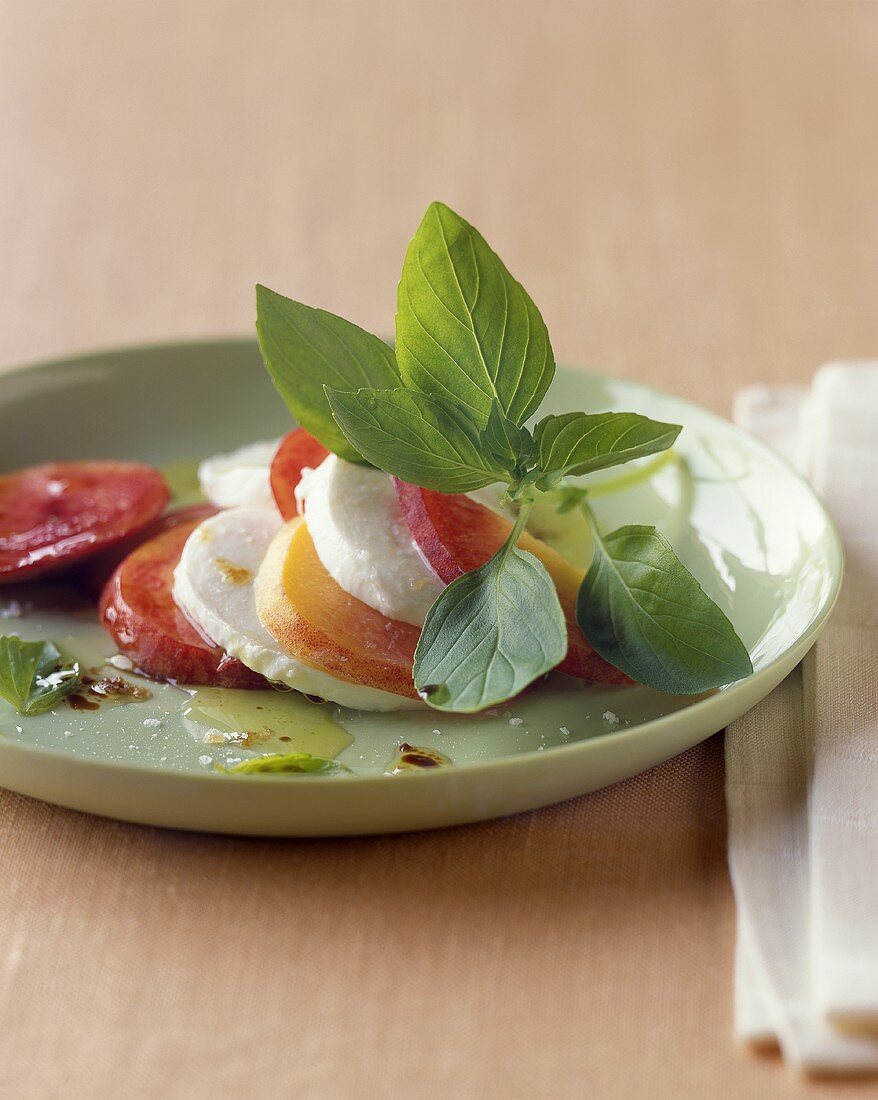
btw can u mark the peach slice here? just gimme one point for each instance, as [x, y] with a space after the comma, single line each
[457, 534]
[319, 624]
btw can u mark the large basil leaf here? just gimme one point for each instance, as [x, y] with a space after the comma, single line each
[306, 349]
[490, 634]
[428, 441]
[464, 327]
[643, 611]
[580, 443]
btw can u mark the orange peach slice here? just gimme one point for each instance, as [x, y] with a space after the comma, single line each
[319, 624]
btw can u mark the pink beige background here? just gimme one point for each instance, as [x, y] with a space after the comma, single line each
[690, 193]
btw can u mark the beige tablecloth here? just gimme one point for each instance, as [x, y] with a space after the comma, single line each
[689, 193]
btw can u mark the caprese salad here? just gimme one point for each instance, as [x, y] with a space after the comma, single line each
[387, 552]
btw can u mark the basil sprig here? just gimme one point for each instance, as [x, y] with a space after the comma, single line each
[33, 675]
[473, 362]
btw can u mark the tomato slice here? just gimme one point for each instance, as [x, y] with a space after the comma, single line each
[297, 450]
[94, 573]
[138, 610]
[56, 514]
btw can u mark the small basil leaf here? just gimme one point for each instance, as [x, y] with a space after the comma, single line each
[33, 675]
[305, 349]
[465, 328]
[580, 443]
[489, 634]
[427, 441]
[643, 611]
[508, 444]
[291, 763]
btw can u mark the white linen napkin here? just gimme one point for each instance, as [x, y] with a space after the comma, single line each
[843, 415]
[802, 767]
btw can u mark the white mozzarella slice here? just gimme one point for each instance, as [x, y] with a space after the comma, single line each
[363, 541]
[213, 586]
[241, 478]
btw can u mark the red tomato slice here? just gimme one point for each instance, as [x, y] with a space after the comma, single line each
[96, 571]
[53, 515]
[297, 450]
[138, 610]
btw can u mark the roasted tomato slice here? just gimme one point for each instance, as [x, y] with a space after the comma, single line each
[56, 514]
[94, 573]
[138, 610]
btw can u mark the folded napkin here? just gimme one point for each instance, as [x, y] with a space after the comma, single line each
[802, 767]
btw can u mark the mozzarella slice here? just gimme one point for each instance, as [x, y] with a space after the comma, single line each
[213, 586]
[240, 478]
[363, 541]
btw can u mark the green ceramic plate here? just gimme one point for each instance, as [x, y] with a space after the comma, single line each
[748, 527]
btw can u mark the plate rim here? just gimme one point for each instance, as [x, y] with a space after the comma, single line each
[655, 726]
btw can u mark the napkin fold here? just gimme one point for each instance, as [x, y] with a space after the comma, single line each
[802, 766]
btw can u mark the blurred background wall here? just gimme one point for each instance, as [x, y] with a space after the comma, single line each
[689, 191]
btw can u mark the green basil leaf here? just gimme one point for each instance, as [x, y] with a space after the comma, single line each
[33, 675]
[428, 441]
[290, 763]
[464, 327]
[507, 444]
[643, 611]
[580, 443]
[305, 349]
[490, 633]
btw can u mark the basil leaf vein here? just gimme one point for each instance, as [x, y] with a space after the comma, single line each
[642, 610]
[427, 441]
[490, 633]
[465, 326]
[305, 349]
[580, 443]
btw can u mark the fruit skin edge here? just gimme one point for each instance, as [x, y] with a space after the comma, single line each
[457, 534]
[138, 611]
[317, 622]
[71, 510]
